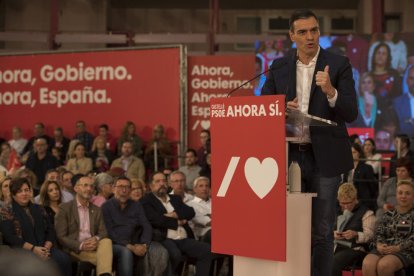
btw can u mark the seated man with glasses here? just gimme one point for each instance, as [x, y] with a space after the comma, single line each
[81, 230]
[131, 234]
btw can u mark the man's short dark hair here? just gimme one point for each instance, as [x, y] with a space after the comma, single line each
[300, 14]
[105, 126]
[404, 139]
[123, 177]
[192, 151]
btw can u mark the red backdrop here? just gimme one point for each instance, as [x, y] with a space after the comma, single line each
[99, 87]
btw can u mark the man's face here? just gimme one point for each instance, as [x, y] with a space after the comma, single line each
[177, 183]
[190, 158]
[410, 80]
[53, 176]
[41, 146]
[383, 140]
[122, 190]
[66, 181]
[204, 137]
[126, 149]
[306, 35]
[159, 185]
[202, 190]
[38, 130]
[80, 127]
[103, 132]
[84, 188]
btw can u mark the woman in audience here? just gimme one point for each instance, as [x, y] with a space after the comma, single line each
[103, 183]
[5, 197]
[394, 236]
[27, 226]
[362, 176]
[372, 156]
[129, 134]
[355, 229]
[387, 80]
[50, 198]
[79, 163]
[102, 157]
[71, 149]
[386, 199]
[9, 158]
[137, 189]
[31, 178]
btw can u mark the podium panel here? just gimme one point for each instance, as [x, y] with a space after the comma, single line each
[298, 244]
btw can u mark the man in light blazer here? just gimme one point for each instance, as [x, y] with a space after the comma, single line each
[81, 231]
[319, 83]
[133, 166]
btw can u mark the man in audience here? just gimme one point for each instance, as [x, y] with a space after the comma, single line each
[39, 132]
[177, 184]
[402, 148]
[61, 142]
[169, 218]
[18, 142]
[66, 186]
[205, 147]
[81, 231]
[41, 160]
[83, 136]
[403, 106]
[131, 233]
[132, 165]
[191, 169]
[201, 203]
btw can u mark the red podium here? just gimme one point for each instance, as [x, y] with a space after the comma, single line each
[253, 218]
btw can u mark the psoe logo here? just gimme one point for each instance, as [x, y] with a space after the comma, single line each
[261, 176]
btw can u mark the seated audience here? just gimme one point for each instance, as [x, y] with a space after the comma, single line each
[26, 226]
[131, 234]
[101, 156]
[110, 142]
[129, 135]
[362, 176]
[169, 218]
[81, 230]
[39, 132]
[41, 161]
[177, 180]
[57, 153]
[394, 236]
[402, 148]
[138, 189]
[18, 142]
[132, 165]
[372, 156]
[5, 196]
[386, 199]
[103, 183]
[205, 147]
[354, 230]
[201, 203]
[50, 198]
[83, 136]
[60, 142]
[190, 169]
[79, 163]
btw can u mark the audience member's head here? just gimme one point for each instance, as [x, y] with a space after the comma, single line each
[122, 189]
[17, 133]
[79, 151]
[40, 146]
[5, 195]
[403, 168]
[381, 58]
[177, 182]
[84, 189]
[21, 191]
[405, 194]
[50, 192]
[369, 147]
[354, 138]
[190, 157]
[128, 130]
[103, 183]
[357, 152]
[402, 142]
[39, 129]
[103, 130]
[137, 189]
[201, 187]
[204, 137]
[383, 139]
[159, 184]
[347, 196]
[66, 181]
[80, 126]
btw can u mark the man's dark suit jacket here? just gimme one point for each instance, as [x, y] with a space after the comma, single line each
[155, 211]
[330, 145]
[67, 225]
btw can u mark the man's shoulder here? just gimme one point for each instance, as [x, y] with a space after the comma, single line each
[67, 205]
[332, 56]
[401, 100]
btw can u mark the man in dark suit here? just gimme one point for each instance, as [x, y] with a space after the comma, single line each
[81, 231]
[402, 106]
[318, 83]
[168, 216]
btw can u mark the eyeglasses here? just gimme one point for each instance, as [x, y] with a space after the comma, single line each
[178, 181]
[123, 187]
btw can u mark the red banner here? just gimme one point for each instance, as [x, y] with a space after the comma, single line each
[213, 77]
[249, 177]
[99, 87]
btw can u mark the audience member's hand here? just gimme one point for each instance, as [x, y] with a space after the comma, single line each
[90, 244]
[382, 248]
[349, 234]
[181, 222]
[338, 235]
[48, 245]
[171, 215]
[293, 104]
[140, 249]
[389, 249]
[42, 252]
[388, 206]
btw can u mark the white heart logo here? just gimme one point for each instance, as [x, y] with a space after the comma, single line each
[205, 124]
[261, 176]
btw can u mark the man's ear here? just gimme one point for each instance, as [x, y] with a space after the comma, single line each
[291, 35]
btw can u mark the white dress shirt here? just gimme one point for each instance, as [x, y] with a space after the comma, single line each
[202, 219]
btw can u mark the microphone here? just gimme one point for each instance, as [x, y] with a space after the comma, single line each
[255, 77]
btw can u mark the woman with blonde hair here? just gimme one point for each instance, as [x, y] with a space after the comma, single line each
[79, 163]
[5, 196]
[354, 229]
[137, 189]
